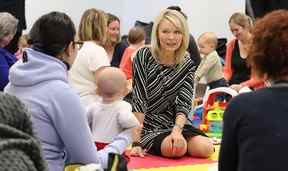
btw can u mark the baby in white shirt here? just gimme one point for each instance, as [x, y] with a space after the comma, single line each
[111, 115]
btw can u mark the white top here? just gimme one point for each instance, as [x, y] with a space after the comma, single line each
[81, 75]
[107, 120]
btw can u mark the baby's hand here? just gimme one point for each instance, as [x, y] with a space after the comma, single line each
[129, 85]
[137, 151]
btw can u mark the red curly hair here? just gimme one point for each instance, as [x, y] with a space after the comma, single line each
[268, 53]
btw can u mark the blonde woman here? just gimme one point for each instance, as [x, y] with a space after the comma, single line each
[162, 92]
[91, 56]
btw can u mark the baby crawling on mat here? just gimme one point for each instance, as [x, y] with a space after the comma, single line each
[111, 115]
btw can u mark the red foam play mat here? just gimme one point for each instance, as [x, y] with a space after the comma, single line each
[151, 161]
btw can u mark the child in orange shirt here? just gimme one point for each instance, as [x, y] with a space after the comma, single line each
[136, 39]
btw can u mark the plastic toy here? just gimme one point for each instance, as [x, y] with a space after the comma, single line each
[214, 104]
[197, 116]
[214, 118]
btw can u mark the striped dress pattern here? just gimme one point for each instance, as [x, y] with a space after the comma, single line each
[160, 92]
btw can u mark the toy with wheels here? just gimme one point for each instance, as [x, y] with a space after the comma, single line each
[214, 104]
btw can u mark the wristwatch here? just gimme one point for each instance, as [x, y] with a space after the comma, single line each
[178, 126]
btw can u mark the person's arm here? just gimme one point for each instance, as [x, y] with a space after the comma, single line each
[89, 114]
[128, 121]
[227, 69]
[126, 63]
[184, 98]
[137, 131]
[126, 118]
[183, 102]
[179, 123]
[4, 70]
[139, 97]
[253, 82]
[5, 63]
[118, 53]
[204, 68]
[139, 80]
[71, 124]
[228, 151]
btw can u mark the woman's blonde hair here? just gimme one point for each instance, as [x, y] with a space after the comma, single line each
[175, 18]
[93, 26]
[242, 20]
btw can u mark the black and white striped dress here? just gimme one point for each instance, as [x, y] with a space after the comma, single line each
[160, 92]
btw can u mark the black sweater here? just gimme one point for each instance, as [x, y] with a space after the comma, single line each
[19, 148]
[255, 134]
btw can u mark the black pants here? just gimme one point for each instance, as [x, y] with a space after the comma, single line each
[188, 131]
[218, 83]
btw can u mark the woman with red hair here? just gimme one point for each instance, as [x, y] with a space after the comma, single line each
[253, 139]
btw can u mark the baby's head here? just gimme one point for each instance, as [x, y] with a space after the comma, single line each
[207, 43]
[24, 41]
[111, 84]
[136, 36]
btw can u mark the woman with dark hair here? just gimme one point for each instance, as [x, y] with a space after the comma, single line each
[20, 150]
[255, 130]
[40, 80]
[113, 46]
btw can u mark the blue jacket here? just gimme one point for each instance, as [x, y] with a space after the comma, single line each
[57, 115]
[6, 61]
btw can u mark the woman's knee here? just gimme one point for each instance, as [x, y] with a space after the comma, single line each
[169, 150]
[200, 146]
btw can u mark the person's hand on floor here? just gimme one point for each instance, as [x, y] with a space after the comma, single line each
[137, 151]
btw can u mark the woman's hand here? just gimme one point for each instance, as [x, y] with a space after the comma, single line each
[236, 87]
[137, 151]
[174, 145]
[179, 144]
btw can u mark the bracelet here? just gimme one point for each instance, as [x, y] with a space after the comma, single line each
[179, 126]
[136, 144]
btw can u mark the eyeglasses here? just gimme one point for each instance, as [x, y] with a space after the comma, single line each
[78, 44]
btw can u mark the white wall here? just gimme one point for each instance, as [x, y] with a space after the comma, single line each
[203, 15]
